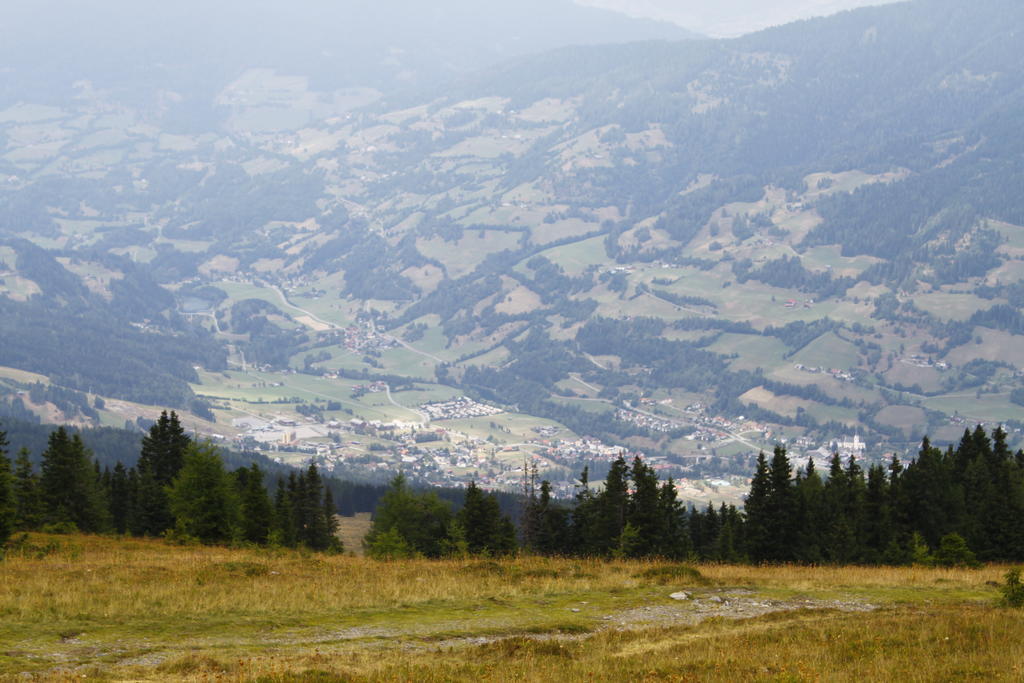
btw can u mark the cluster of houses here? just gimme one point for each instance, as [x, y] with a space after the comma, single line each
[359, 338]
[648, 422]
[458, 408]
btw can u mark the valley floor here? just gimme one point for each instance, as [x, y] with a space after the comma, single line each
[74, 607]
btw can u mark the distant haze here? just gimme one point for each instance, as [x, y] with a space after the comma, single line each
[728, 18]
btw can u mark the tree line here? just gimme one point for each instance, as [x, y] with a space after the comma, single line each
[956, 506]
[180, 488]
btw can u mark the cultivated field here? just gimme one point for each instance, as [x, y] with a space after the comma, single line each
[120, 609]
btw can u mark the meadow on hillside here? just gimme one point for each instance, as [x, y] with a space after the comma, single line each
[112, 608]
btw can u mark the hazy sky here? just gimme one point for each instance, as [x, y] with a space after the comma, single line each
[728, 18]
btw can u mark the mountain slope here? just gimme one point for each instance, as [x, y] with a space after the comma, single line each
[817, 227]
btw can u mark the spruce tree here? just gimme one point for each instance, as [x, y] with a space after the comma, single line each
[256, 511]
[28, 498]
[611, 506]
[554, 532]
[584, 518]
[782, 509]
[878, 524]
[809, 493]
[284, 524]
[316, 532]
[420, 520]
[161, 458]
[674, 542]
[203, 497]
[8, 503]
[756, 506]
[121, 498]
[330, 511]
[164, 448]
[487, 530]
[839, 534]
[644, 512]
[70, 491]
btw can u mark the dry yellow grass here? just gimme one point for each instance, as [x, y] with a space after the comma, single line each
[128, 609]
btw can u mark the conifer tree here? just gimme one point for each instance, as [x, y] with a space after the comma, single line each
[8, 504]
[487, 530]
[674, 542]
[730, 539]
[203, 498]
[644, 512]
[164, 448]
[161, 458]
[759, 536]
[839, 537]
[584, 518]
[878, 524]
[121, 499]
[553, 535]
[315, 532]
[330, 510]
[28, 499]
[284, 524]
[419, 520]
[610, 508]
[809, 492]
[70, 491]
[256, 511]
[782, 509]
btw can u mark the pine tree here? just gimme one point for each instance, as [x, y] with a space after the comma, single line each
[782, 509]
[930, 501]
[730, 535]
[28, 498]
[809, 493]
[878, 524]
[674, 542]
[121, 499]
[164, 448]
[840, 536]
[8, 503]
[161, 458]
[419, 520]
[611, 507]
[553, 535]
[487, 530]
[68, 482]
[284, 524]
[584, 518]
[330, 512]
[315, 533]
[756, 506]
[203, 498]
[151, 507]
[644, 512]
[530, 517]
[256, 511]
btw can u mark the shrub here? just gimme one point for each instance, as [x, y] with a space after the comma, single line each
[1012, 590]
[953, 552]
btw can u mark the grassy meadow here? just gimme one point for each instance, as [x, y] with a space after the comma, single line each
[106, 608]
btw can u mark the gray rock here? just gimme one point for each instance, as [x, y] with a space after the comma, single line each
[681, 595]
